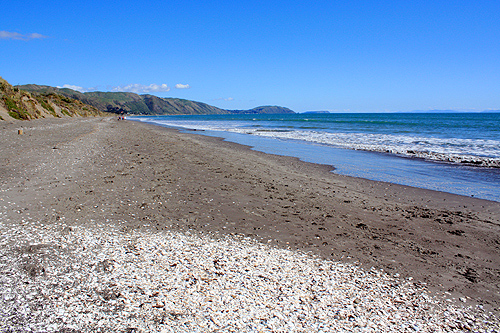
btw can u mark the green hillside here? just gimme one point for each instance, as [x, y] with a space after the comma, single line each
[131, 103]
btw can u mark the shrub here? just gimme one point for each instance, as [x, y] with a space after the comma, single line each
[46, 105]
[11, 104]
[65, 99]
[15, 115]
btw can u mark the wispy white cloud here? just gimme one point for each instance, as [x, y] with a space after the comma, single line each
[140, 88]
[18, 36]
[182, 86]
[77, 88]
[228, 99]
[134, 88]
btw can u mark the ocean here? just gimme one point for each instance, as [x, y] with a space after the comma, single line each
[451, 152]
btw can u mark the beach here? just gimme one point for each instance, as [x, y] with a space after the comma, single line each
[73, 191]
[449, 152]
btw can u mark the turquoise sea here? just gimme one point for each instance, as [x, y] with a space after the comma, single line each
[451, 152]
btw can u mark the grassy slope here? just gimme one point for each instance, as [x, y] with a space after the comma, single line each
[124, 102]
[16, 103]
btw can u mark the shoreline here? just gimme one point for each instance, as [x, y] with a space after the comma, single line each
[457, 178]
[451, 157]
[138, 176]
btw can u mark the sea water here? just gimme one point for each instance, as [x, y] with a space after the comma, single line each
[451, 152]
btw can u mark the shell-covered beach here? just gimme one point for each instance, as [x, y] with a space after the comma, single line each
[120, 226]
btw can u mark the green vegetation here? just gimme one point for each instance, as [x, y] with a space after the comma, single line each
[45, 105]
[15, 115]
[65, 99]
[20, 115]
[15, 110]
[40, 102]
[130, 103]
[10, 103]
[92, 103]
[112, 97]
[264, 109]
[34, 101]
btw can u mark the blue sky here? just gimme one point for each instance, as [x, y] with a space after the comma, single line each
[349, 56]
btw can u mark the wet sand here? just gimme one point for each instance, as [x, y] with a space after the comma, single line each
[140, 176]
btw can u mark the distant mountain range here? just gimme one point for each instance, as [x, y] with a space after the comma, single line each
[131, 103]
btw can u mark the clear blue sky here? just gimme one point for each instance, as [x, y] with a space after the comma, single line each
[358, 56]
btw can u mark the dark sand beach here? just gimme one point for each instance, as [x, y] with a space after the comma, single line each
[140, 176]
